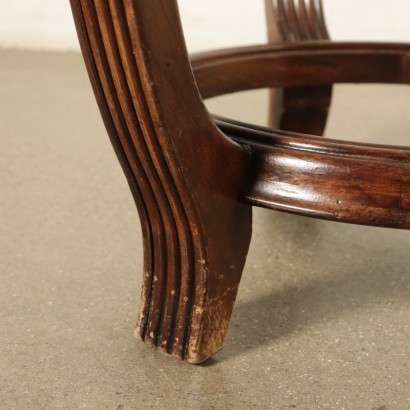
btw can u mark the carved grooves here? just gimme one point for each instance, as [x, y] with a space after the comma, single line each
[300, 20]
[107, 31]
[301, 109]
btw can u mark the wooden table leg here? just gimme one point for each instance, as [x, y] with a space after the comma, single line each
[298, 109]
[196, 232]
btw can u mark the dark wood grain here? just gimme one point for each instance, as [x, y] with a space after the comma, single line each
[300, 109]
[196, 232]
[337, 181]
[298, 173]
[195, 178]
[310, 63]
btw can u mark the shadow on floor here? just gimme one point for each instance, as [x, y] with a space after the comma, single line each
[348, 271]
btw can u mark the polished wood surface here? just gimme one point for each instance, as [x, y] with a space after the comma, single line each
[304, 108]
[195, 178]
[306, 175]
[336, 181]
[314, 63]
[196, 232]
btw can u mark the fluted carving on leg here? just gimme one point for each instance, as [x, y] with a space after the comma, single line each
[166, 143]
[300, 109]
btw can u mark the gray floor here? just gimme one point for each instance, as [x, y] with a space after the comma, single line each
[323, 313]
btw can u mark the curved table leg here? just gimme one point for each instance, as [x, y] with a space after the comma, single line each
[196, 232]
[298, 109]
[188, 178]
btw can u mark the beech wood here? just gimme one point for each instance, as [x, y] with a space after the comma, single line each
[194, 178]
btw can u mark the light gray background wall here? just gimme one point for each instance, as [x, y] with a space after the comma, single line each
[47, 24]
